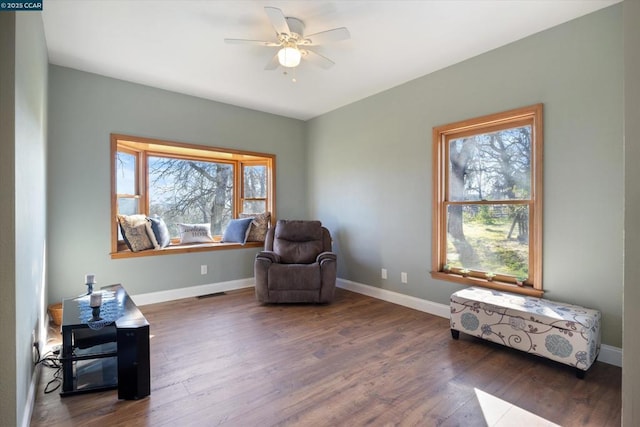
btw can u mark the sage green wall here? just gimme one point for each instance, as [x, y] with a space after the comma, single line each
[370, 163]
[630, 338]
[83, 110]
[7, 220]
[23, 94]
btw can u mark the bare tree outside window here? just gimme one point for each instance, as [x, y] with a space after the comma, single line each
[255, 189]
[490, 167]
[192, 192]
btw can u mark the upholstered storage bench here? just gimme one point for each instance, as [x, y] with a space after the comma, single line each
[565, 333]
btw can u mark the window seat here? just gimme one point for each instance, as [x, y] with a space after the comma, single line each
[186, 248]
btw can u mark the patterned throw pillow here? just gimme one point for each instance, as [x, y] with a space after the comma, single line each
[259, 226]
[195, 233]
[134, 232]
[237, 231]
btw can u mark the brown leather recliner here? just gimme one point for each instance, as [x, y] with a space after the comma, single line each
[297, 264]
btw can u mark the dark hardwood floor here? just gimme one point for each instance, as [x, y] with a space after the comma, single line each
[227, 360]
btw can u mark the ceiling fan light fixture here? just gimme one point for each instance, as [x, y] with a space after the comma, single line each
[292, 44]
[289, 57]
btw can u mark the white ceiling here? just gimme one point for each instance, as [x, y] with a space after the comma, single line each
[178, 45]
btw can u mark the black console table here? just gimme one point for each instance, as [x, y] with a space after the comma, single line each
[108, 352]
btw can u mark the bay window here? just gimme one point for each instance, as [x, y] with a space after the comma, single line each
[187, 184]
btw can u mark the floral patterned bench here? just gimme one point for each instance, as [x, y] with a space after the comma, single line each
[565, 333]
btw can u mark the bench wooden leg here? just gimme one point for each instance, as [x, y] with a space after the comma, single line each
[455, 334]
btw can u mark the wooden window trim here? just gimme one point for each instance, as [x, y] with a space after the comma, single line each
[144, 147]
[441, 134]
[242, 197]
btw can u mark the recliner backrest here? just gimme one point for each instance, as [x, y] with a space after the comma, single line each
[299, 242]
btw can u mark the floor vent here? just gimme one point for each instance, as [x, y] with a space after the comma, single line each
[215, 294]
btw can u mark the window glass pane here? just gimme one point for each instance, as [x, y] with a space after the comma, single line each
[491, 166]
[127, 206]
[489, 238]
[254, 206]
[125, 173]
[190, 191]
[255, 182]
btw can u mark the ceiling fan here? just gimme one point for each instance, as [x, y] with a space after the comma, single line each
[293, 43]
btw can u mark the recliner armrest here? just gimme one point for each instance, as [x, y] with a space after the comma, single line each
[268, 256]
[326, 256]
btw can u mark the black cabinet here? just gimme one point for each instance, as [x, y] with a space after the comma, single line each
[133, 363]
[106, 351]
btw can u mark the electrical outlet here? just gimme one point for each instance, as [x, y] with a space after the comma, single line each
[35, 347]
[383, 273]
[203, 269]
[403, 277]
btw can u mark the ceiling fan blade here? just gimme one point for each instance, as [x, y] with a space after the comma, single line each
[317, 59]
[278, 20]
[329, 36]
[273, 63]
[253, 42]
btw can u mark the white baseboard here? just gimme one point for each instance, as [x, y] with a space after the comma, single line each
[608, 354]
[31, 397]
[424, 305]
[611, 355]
[192, 291]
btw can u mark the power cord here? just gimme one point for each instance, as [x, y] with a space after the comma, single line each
[51, 360]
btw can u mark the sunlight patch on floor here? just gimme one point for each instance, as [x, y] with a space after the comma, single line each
[498, 413]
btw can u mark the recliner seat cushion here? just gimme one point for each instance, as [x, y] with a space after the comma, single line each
[294, 277]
